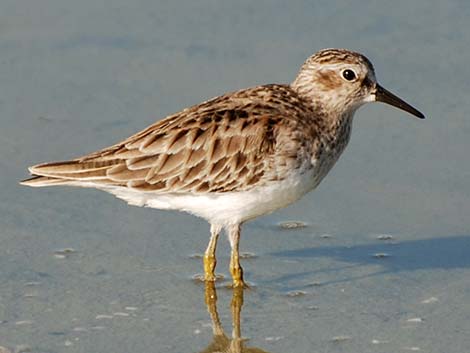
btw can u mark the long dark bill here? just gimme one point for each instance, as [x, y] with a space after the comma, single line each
[384, 96]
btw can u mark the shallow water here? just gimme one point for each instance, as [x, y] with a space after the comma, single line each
[382, 264]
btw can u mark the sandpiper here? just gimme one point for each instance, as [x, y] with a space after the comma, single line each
[238, 156]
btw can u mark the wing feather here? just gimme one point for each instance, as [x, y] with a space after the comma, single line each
[221, 145]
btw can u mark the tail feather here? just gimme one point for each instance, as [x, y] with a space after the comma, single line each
[71, 167]
[38, 181]
[75, 172]
[89, 175]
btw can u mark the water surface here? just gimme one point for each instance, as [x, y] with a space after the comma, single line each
[382, 265]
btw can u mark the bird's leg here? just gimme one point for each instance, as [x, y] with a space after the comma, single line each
[235, 268]
[209, 256]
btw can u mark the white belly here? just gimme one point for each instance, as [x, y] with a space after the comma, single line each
[230, 207]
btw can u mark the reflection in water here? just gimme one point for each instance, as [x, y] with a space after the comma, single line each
[221, 342]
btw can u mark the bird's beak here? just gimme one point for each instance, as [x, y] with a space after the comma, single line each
[384, 96]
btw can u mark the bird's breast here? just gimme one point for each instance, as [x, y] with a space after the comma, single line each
[327, 152]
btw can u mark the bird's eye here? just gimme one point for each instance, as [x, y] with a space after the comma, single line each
[349, 75]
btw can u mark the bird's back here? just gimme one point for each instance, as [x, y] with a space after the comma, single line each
[234, 142]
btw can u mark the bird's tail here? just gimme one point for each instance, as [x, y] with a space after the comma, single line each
[39, 181]
[74, 172]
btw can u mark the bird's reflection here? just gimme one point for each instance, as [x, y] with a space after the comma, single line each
[220, 341]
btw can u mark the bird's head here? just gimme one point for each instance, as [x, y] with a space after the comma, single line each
[339, 81]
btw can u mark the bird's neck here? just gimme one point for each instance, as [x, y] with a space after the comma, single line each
[337, 129]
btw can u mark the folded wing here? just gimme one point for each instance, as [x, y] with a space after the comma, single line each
[217, 146]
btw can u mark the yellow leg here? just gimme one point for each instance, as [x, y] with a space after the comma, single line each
[235, 269]
[209, 256]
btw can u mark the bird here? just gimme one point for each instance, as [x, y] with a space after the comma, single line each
[237, 156]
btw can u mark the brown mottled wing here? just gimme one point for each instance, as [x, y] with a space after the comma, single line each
[217, 146]
[217, 151]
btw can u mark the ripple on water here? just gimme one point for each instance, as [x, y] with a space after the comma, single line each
[122, 314]
[381, 255]
[292, 225]
[385, 237]
[199, 277]
[131, 308]
[63, 253]
[296, 293]
[326, 236]
[248, 255]
[243, 255]
[430, 300]
[415, 319]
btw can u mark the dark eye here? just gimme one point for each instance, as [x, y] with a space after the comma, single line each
[349, 75]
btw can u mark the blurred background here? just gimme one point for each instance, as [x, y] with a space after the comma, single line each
[381, 263]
